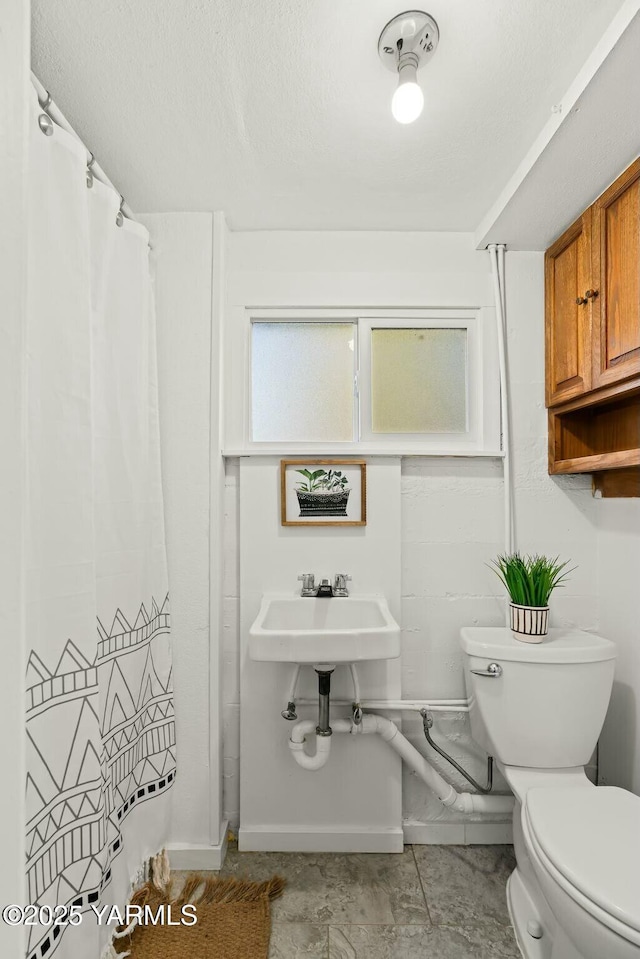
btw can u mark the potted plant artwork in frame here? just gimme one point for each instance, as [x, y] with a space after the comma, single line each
[530, 580]
[323, 492]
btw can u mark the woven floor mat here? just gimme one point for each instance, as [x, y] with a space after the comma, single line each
[233, 920]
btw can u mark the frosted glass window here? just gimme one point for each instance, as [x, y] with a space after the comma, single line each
[302, 378]
[419, 380]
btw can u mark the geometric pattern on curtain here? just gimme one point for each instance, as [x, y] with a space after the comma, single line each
[100, 725]
[95, 792]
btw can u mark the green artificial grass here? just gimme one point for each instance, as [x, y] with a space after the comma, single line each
[530, 580]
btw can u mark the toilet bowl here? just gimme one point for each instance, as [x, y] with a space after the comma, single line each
[574, 892]
[584, 845]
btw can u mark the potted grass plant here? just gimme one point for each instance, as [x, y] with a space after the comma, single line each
[530, 580]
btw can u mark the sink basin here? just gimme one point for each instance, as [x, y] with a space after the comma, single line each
[293, 629]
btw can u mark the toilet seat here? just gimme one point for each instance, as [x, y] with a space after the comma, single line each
[589, 842]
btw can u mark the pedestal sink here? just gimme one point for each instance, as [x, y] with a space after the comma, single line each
[295, 629]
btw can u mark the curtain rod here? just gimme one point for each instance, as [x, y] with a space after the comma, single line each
[53, 110]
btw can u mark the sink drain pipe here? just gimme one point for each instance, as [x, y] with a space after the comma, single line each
[387, 730]
[324, 693]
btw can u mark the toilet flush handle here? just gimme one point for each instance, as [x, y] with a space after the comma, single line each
[493, 671]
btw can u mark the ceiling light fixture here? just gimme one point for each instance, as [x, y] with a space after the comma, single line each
[405, 45]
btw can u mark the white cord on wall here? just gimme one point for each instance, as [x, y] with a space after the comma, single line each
[496, 253]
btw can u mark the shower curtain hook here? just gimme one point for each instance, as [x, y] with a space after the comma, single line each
[120, 214]
[90, 171]
[44, 120]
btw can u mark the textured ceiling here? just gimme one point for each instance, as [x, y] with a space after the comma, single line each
[598, 138]
[278, 112]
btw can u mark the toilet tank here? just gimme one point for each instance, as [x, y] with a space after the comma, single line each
[546, 705]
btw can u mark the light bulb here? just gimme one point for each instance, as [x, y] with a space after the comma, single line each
[407, 102]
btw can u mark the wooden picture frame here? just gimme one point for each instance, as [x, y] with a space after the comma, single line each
[318, 492]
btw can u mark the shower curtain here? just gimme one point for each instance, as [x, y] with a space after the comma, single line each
[99, 704]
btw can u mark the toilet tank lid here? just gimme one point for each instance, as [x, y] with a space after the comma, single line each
[592, 836]
[560, 646]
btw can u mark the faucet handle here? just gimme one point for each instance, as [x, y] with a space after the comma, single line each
[340, 581]
[308, 583]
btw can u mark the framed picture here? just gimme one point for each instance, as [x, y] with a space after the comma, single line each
[323, 492]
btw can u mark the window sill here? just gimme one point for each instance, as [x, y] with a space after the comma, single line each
[361, 451]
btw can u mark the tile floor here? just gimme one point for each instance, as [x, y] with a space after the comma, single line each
[431, 902]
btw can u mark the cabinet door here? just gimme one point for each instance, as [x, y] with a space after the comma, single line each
[616, 260]
[568, 313]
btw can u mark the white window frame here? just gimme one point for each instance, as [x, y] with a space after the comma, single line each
[482, 437]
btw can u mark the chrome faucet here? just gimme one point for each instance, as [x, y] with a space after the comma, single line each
[324, 589]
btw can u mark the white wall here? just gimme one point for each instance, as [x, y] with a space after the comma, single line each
[182, 259]
[451, 508]
[354, 804]
[619, 610]
[14, 91]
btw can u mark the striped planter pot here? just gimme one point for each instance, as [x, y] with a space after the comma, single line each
[530, 624]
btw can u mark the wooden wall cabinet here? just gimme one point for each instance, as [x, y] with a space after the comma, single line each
[568, 313]
[616, 270]
[592, 332]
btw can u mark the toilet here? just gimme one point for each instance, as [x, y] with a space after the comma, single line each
[538, 710]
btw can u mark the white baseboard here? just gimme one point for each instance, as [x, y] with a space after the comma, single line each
[328, 839]
[199, 856]
[488, 833]
[457, 833]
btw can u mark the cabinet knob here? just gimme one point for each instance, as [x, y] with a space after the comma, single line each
[591, 294]
[581, 300]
